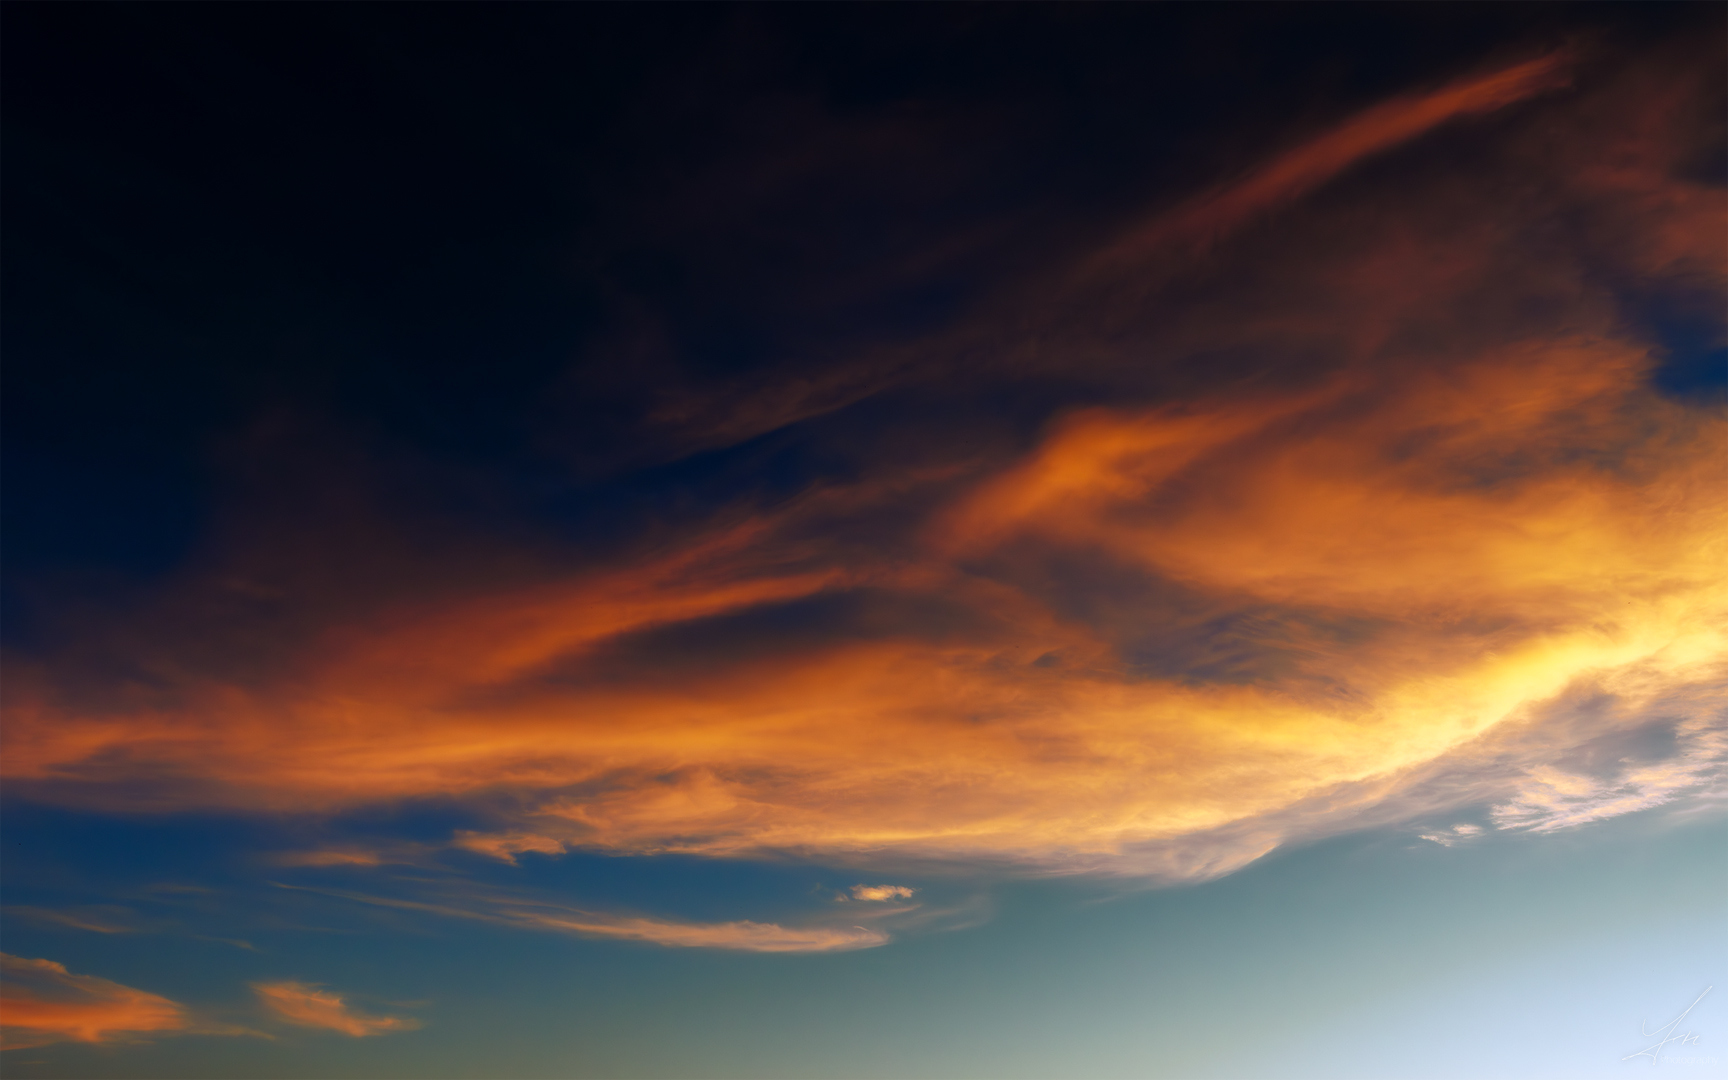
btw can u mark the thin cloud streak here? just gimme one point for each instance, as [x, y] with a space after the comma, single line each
[1209, 217]
[740, 935]
[107, 919]
[311, 1006]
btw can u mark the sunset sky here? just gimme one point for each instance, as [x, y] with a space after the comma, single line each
[851, 540]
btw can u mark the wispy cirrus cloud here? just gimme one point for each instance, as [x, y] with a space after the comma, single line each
[879, 892]
[1456, 834]
[1288, 176]
[312, 1006]
[527, 913]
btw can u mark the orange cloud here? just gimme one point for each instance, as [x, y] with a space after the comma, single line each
[308, 1006]
[1417, 591]
[1307, 166]
[41, 1003]
[507, 846]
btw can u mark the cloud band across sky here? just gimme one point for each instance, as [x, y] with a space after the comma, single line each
[1384, 607]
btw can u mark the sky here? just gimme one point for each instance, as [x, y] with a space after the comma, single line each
[922, 540]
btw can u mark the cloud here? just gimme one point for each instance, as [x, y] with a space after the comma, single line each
[328, 857]
[1304, 167]
[310, 1006]
[1552, 798]
[880, 892]
[1382, 640]
[95, 918]
[367, 855]
[1370, 641]
[44, 1003]
[742, 935]
[507, 846]
[1335, 532]
[1454, 835]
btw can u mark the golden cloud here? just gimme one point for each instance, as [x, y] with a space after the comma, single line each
[310, 1006]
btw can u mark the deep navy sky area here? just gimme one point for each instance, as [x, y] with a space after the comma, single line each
[430, 227]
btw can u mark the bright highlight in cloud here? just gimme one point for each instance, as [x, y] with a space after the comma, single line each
[880, 892]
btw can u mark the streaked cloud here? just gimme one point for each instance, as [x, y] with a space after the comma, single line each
[742, 935]
[311, 1006]
[1456, 834]
[1290, 175]
[328, 857]
[42, 1003]
[95, 918]
[1368, 642]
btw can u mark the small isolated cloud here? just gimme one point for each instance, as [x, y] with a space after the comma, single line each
[880, 892]
[1448, 837]
[328, 857]
[507, 846]
[363, 856]
[44, 1003]
[309, 1006]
